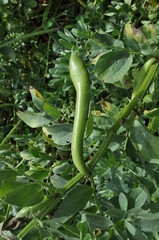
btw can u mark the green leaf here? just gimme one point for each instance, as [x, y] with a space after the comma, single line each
[128, 2]
[51, 110]
[148, 222]
[33, 120]
[71, 229]
[21, 194]
[136, 40]
[136, 233]
[3, 1]
[38, 173]
[67, 231]
[133, 213]
[74, 201]
[144, 142]
[37, 98]
[66, 36]
[130, 228]
[23, 212]
[98, 221]
[145, 215]
[151, 113]
[150, 31]
[27, 155]
[115, 184]
[64, 233]
[115, 213]
[103, 40]
[61, 134]
[113, 66]
[42, 104]
[149, 226]
[66, 44]
[130, 41]
[58, 181]
[100, 43]
[123, 202]
[8, 174]
[154, 126]
[83, 227]
[89, 127]
[141, 199]
[110, 109]
[118, 233]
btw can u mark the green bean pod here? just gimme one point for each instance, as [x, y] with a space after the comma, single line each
[80, 79]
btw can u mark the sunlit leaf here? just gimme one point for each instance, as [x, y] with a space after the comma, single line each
[135, 232]
[51, 110]
[21, 194]
[32, 119]
[61, 133]
[37, 98]
[123, 202]
[3, 1]
[113, 66]
[141, 199]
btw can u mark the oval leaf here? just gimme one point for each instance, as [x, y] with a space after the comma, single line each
[144, 142]
[123, 202]
[136, 233]
[37, 98]
[98, 221]
[111, 67]
[8, 174]
[33, 120]
[141, 199]
[21, 194]
[75, 200]
[51, 110]
[60, 133]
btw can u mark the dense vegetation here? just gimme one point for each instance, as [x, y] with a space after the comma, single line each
[42, 194]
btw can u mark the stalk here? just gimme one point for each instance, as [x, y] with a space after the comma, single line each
[50, 204]
[26, 36]
[8, 135]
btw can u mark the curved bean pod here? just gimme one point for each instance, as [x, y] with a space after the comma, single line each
[80, 79]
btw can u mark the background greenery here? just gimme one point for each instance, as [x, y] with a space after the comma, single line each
[37, 102]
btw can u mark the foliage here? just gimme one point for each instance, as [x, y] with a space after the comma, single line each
[42, 195]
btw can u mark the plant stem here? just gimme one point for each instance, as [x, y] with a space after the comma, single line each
[73, 181]
[7, 212]
[50, 204]
[28, 227]
[47, 57]
[95, 196]
[8, 135]
[26, 36]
